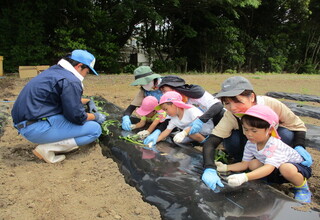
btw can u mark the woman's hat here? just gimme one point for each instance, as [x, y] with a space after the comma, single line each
[143, 75]
[147, 106]
[265, 113]
[234, 86]
[171, 80]
[173, 97]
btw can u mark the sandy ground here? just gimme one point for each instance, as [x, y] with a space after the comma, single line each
[87, 185]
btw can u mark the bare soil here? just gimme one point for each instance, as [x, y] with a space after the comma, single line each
[88, 185]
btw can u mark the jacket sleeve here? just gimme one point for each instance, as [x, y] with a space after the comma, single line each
[215, 112]
[299, 138]
[129, 110]
[72, 107]
[208, 151]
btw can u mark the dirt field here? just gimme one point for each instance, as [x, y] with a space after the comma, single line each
[89, 186]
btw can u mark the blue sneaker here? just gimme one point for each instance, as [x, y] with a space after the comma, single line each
[303, 193]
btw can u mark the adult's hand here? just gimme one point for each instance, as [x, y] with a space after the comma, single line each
[99, 117]
[126, 123]
[196, 126]
[153, 137]
[306, 156]
[92, 106]
[211, 178]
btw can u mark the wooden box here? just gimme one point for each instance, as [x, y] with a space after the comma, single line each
[31, 71]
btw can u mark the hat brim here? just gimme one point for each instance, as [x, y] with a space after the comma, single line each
[231, 93]
[274, 131]
[172, 84]
[93, 71]
[145, 80]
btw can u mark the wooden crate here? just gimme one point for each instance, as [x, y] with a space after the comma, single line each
[42, 68]
[31, 71]
[27, 71]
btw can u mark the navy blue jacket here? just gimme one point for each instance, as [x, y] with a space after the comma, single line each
[54, 91]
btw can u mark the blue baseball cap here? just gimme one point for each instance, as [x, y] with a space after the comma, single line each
[84, 57]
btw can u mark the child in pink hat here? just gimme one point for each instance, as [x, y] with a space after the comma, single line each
[267, 156]
[148, 114]
[182, 115]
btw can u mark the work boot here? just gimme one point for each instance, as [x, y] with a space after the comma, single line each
[68, 149]
[302, 193]
[66, 145]
[47, 151]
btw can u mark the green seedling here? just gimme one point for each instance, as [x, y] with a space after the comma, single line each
[135, 139]
[220, 155]
[105, 126]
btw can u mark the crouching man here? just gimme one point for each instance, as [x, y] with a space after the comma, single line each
[50, 111]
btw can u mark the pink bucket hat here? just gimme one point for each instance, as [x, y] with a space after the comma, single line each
[265, 113]
[147, 106]
[173, 97]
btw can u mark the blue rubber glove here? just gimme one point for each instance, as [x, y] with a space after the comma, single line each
[153, 137]
[211, 178]
[306, 156]
[92, 107]
[99, 117]
[126, 123]
[196, 126]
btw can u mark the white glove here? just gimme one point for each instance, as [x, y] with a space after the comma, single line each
[132, 126]
[178, 138]
[221, 167]
[237, 179]
[143, 134]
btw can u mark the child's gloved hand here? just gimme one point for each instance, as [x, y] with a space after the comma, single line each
[152, 138]
[126, 123]
[143, 134]
[178, 138]
[132, 126]
[221, 167]
[237, 179]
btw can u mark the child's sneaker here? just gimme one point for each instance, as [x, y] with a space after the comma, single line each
[302, 193]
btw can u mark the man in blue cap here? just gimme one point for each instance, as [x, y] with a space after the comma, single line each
[50, 109]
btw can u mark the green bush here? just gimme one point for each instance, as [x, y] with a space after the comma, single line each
[129, 68]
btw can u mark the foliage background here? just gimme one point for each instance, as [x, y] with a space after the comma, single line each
[196, 36]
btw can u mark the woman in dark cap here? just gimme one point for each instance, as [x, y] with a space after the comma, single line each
[192, 94]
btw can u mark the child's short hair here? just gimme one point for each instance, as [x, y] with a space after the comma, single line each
[255, 122]
[264, 113]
